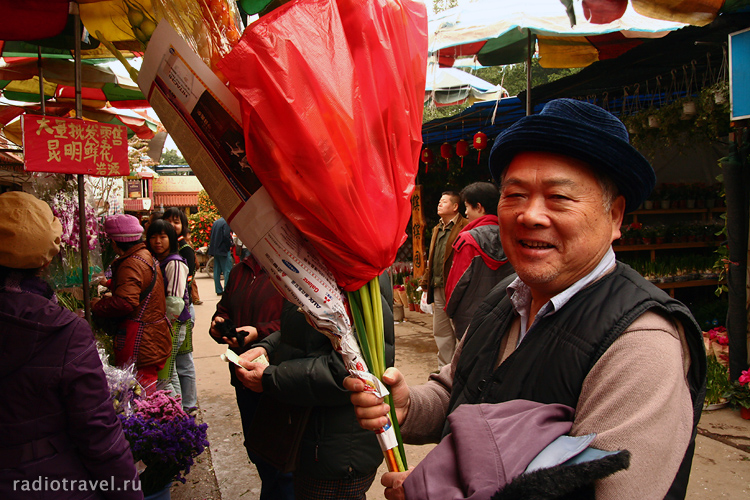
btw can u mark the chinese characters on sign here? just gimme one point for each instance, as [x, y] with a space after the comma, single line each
[417, 231]
[70, 146]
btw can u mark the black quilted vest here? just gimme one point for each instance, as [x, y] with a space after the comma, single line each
[552, 361]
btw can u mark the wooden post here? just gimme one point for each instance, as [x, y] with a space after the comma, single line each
[417, 231]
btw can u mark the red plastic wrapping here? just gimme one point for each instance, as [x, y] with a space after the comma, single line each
[332, 98]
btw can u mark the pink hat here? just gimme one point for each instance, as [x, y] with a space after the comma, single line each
[123, 228]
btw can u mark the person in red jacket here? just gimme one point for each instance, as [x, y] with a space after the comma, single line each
[479, 262]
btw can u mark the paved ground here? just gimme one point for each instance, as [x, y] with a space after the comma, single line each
[721, 468]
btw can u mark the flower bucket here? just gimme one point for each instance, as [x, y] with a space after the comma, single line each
[654, 121]
[164, 494]
[398, 312]
[745, 413]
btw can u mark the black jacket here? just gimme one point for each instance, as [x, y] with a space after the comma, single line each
[552, 361]
[305, 370]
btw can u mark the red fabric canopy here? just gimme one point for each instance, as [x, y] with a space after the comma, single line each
[32, 19]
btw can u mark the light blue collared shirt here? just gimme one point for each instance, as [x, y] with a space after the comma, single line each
[520, 294]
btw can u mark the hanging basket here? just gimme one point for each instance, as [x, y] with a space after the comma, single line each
[688, 110]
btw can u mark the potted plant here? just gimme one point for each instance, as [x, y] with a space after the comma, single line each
[165, 439]
[647, 235]
[409, 293]
[665, 196]
[717, 384]
[631, 233]
[660, 234]
[739, 394]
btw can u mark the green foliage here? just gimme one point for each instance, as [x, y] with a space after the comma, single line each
[513, 76]
[441, 5]
[717, 381]
[738, 393]
[200, 223]
[172, 157]
[658, 127]
[432, 112]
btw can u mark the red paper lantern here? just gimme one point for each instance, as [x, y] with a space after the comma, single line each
[446, 151]
[480, 142]
[427, 157]
[462, 149]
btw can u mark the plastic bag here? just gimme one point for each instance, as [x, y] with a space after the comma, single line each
[211, 27]
[332, 95]
[423, 305]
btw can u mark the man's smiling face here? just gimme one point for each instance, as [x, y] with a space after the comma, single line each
[554, 225]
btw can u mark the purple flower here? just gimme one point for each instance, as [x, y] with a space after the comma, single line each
[165, 438]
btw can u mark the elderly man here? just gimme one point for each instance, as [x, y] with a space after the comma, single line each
[438, 266]
[575, 326]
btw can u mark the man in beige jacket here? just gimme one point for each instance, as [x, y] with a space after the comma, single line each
[438, 266]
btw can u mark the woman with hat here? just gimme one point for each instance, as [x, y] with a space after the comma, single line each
[137, 303]
[59, 436]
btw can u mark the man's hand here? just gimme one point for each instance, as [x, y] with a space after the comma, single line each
[393, 482]
[371, 411]
[252, 373]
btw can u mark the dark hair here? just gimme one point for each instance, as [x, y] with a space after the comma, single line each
[176, 212]
[127, 245]
[161, 226]
[455, 197]
[485, 193]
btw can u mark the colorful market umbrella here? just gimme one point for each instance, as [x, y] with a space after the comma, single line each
[497, 32]
[695, 12]
[19, 81]
[49, 19]
[449, 86]
[137, 125]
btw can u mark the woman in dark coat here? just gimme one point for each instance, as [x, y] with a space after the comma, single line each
[337, 458]
[59, 436]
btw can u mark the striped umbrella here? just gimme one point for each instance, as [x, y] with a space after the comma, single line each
[19, 81]
[497, 32]
[137, 125]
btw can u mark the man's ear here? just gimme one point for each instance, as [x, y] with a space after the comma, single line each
[617, 212]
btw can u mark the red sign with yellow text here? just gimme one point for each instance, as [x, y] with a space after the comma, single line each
[70, 146]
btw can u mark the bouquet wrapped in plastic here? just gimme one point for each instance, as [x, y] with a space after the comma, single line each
[161, 435]
[332, 98]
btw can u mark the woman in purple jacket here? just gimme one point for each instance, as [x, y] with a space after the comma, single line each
[59, 436]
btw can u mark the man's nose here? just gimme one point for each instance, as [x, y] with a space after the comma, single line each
[534, 213]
